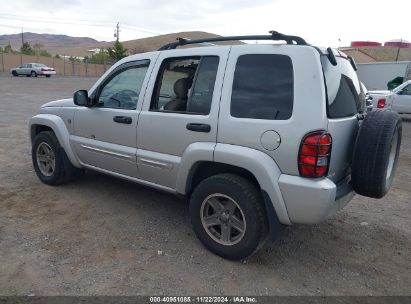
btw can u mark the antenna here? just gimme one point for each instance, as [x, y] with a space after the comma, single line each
[117, 32]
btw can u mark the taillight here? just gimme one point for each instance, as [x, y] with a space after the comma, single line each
[381, 103]
[44, 69]
[314, 154]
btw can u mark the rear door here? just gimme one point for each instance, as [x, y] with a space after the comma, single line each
[345, 99]
[180, 110]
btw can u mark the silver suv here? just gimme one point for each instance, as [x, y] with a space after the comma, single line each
[256, 137]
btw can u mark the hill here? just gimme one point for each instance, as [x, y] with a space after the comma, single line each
[55, 44]
[79, 46]
[154, 43]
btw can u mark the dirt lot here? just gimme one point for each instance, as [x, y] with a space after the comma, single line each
[102, 236]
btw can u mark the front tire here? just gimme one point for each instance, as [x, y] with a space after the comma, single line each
[227, 214]
[14, 73]
[50, 161]
[33, 74]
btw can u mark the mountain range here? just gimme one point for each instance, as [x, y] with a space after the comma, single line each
[80, 46]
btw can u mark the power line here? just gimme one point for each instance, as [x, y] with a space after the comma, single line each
[54, 18]
[56, 22]
[81, 22]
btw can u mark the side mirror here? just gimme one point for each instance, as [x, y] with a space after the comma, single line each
[400, 92]
[81, 98]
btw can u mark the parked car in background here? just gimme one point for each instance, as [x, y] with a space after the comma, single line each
[398, 100]
[33, 70]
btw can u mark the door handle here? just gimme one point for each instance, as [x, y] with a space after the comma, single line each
[198, 127]
[122, 119]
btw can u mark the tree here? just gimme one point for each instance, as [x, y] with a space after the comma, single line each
[44, 53]
[37, 47]
[74, 59]
[99, 58]
[26, 49]
[8, 49]
[118, 51]
[57, 56]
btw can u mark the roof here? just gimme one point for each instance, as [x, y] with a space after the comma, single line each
[398, 40]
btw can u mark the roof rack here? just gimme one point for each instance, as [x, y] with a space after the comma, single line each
[276, 36]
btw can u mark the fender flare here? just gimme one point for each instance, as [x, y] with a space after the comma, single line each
[193, 154]
[263, 167]
[59, 128]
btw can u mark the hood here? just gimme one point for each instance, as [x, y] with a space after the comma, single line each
[382, 92]
[60, 103]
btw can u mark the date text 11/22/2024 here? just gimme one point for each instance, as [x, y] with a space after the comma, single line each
[203, 299]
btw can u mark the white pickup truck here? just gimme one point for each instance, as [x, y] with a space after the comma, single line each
[398, 100]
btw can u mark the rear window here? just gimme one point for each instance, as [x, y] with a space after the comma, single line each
[263, 87]
[345, 97]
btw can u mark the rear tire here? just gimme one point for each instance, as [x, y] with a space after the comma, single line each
[227, 214]
[50, 161]
[376, 151]
[14, 73]
[48, 76]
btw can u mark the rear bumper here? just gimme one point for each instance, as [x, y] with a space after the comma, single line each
[310, 201]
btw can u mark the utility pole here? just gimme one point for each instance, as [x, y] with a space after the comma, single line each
[22, 38]
[398, 52]
[117, 32]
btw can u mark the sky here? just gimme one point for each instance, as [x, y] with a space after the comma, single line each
[320, 22]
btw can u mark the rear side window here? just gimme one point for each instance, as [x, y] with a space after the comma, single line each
[263, 87]
[345, 97]
[185, 85]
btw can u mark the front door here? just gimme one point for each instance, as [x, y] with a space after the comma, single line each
[105, 136]
[25, 69]
[180, 111]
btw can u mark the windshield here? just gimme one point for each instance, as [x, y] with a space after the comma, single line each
[400, 87]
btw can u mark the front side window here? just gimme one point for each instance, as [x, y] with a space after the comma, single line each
[263, 87]
[345, 97]
[185, 85]
[123, 88]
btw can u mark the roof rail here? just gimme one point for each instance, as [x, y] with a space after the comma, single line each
[276, 36]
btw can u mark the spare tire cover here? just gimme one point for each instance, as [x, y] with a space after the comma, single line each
[375, 154]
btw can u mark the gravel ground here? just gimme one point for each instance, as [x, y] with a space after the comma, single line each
[103, 236]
